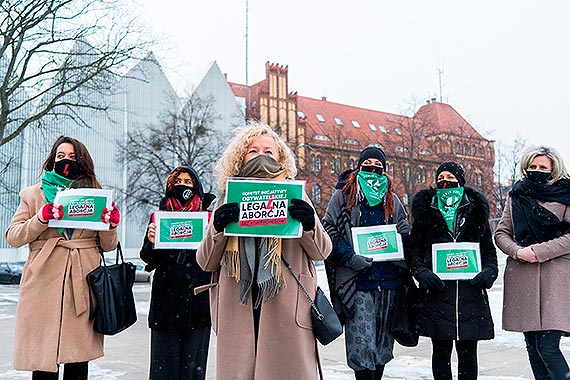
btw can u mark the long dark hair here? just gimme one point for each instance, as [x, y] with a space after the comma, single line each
[351, 189]
[86, 177]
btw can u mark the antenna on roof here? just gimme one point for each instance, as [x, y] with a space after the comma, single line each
[440, 74]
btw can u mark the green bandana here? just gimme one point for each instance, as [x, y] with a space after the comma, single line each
[52, 183]
[448, 201]
[373, 186]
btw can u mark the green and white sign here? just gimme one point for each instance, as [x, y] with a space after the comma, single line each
[82, 208]
[179, 229]
[456, 261]
[263, 207]
[382, 243]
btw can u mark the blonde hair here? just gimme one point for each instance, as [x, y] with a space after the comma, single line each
[231, 161]
[558, 168]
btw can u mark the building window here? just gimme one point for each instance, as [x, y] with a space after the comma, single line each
[316, 194]
[398, 131]
[318, 164]
[473, 149]
[355, 124]
[320, 118]
[301, 114]
[338, 167]
[372, 127]
[478, 180]
[457, 147]
[421, 175]
[351, 164]
[351, 142]
[338, 121]
[465, 148]
[382, 128]
[333, 168]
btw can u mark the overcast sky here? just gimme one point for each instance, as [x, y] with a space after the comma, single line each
[505, 63]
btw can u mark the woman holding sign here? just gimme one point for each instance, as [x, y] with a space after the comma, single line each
[261, 318]
[179, 320]
[453, 310]
[535, 234]
[363, 198]
[52, 323]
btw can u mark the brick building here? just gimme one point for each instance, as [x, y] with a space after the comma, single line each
[327, 138]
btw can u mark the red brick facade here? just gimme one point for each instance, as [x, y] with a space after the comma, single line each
[327, 138]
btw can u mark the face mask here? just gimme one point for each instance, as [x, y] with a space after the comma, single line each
[66, 168]
[183, 193]
[372, 169]
[445, 184]
[538, 176]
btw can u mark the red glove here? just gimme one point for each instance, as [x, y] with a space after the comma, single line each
[50, 211]
[111, 215]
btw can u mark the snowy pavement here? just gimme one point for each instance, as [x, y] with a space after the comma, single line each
[126, 354]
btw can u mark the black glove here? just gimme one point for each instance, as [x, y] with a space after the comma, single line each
[403, 227]
[484, 279]
[225, 214]
[303, 212]
[428, 280]
[359, 262]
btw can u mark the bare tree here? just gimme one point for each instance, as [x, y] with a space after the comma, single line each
[506, 169]
[185, 136]
[50, 49]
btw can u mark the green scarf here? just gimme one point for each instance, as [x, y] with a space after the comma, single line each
[448, 201]
[373, 186]
[52, 183]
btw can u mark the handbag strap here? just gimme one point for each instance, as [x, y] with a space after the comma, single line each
[304, 290]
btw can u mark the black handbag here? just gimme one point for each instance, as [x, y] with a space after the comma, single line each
[403, 326]
[326, 325]
[112, 304]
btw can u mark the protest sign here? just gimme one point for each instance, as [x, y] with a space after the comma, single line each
[179, 229]
[382, 243]
[82, 208]
[456, 261]
[263, 207]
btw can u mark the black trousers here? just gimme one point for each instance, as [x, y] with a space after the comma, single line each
[546, 359]
[180, 355]
[467, 368]
[71, 371]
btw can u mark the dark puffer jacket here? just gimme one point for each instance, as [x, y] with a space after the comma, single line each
[173, 305]
[460, 311]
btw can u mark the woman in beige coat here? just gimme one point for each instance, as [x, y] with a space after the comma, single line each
[264, 330]
[535, 232]
[52, 322]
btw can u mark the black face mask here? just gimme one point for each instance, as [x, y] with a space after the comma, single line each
[372, 169]
[445, 184]
[538, 176]
[66, 168]
[183, 193]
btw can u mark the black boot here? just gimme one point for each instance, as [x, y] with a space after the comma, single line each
[365, 374]
[379, 372]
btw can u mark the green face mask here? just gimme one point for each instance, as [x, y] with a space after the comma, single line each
[373, 186]
[448, 201]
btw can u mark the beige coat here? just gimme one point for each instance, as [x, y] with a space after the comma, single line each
[286, 346]
[536, 295]
[52, 322]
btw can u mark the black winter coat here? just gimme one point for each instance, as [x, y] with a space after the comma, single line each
[460, 311]
[173, 305]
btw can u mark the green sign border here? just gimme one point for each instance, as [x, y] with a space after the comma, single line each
[375, 231]
[182, 216]
[294, 189]
[88, 223]
[445, 275]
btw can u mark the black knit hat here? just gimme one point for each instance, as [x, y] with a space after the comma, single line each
[372, 152]
[454, 168]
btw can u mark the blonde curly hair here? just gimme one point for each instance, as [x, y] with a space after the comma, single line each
[231, 161]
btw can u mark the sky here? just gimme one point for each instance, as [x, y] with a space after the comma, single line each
[505, 64]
